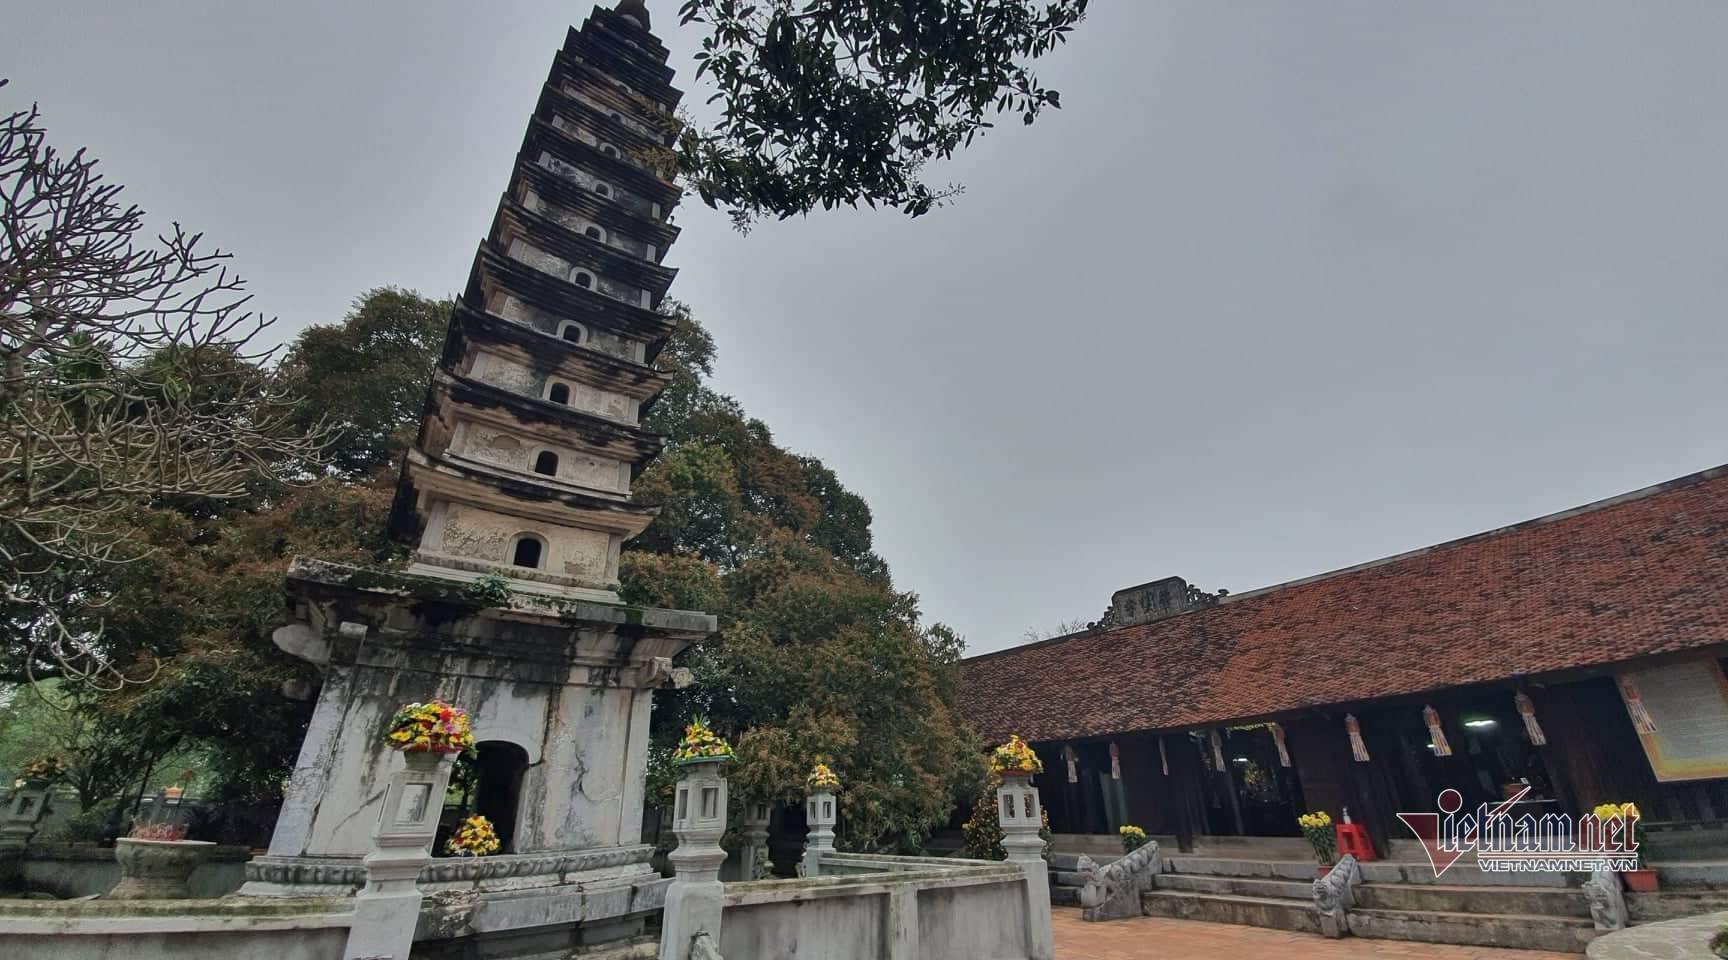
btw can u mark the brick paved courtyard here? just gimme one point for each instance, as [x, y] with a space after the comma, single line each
[1155, 938]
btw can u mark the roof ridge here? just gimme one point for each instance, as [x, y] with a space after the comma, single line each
[1641, 493]
[1631, 496]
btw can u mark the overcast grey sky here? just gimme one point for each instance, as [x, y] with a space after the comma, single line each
[1285, 286]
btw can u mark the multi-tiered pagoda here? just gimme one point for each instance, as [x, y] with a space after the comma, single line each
[516, 502]
[532, 434]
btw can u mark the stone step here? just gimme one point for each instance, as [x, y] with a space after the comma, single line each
[636, 948]
[1693, 874]
[1528, 931]
[1067, 878]
[1276, 914]
[1242, 867]
[1065, 896]
[1465, 872]
[1674, 904]
[1473, 898]
[1238, 886]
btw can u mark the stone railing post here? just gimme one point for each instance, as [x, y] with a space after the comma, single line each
[753, 858]
[821, 812]
[388, 907]
[1021, 818]
[694, 900]
[22, 816]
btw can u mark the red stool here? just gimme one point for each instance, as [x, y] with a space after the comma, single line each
[1353, 840]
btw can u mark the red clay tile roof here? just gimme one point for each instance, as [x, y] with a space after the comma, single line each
[1641, 574]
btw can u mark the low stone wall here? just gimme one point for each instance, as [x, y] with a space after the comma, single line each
[232, 929]
[69, 870]
[881, 908]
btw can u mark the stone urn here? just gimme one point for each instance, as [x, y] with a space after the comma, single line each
[157, 869]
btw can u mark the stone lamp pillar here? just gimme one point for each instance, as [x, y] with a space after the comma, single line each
[388, 907]
[693, 901]
[1021, 818]
[821, 811]
[18, 823]
[753, 861]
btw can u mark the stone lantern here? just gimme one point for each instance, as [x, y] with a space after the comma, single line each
[18, 823]
[388, 907]
[821, 811]
[22, 815]
[753, 861]
[693, 901]
[1022, 818]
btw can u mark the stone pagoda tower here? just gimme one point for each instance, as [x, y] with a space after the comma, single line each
[515, 502]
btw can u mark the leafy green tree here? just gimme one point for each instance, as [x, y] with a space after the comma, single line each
[819, 656]
[845, 101]
[366, 377]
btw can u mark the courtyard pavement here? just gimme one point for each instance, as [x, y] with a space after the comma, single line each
[1156, 938]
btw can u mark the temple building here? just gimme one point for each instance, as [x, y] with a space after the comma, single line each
[1579, 654]
[513, 506]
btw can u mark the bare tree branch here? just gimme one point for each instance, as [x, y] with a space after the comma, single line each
[127, 375]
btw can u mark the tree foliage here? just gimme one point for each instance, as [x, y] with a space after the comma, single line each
[224, 693]
[831, 102]
[819, 656]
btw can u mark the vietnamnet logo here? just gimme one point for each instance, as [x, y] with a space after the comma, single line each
[1503, 843]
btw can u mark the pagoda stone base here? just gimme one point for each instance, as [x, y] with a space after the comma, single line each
[608, 891]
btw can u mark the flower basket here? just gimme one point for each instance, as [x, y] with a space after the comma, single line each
[821, 778]
[701, 745]
[474, 838]
[431, 727]
[1015, 759]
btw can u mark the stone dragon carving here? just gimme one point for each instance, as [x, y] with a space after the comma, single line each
[1335, 894]
[1112, 892]
[1607, 903]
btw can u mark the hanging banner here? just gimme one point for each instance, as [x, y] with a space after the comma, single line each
[1218, 750]
[1358, 749]
[1684, 706]
[1115, 762]
[1642, 721]
[1436, 736]
[1532, 729]
[1163, 761]
[1278, 741]
[1073, 764]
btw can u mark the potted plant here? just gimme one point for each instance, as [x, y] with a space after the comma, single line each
[1133, 838]
[1643, 878]
[1317, 828]
[428, 732]
[156, 862]
[474, 838]
[701, 745]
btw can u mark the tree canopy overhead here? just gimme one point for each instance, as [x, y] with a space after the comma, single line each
[831, 102]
